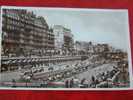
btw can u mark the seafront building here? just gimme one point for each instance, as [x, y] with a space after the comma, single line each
[64, 42]
[24, 32]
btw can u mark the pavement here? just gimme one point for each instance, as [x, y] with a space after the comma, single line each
[8, 76]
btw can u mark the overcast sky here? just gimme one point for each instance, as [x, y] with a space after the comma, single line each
[102, 26]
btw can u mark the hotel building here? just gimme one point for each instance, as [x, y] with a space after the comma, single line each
[64, 42]
[23, 32]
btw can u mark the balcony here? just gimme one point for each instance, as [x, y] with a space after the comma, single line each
[11, 40]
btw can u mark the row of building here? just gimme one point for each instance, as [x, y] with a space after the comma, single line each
[91, 47]
[23, 32]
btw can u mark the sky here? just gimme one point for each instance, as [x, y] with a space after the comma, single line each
[100, 26]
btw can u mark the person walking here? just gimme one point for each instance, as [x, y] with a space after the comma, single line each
[13, 83]
[71, 83]
[67, 84]
[93, 83]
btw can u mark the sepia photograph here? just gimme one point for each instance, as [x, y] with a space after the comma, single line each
[65, 48]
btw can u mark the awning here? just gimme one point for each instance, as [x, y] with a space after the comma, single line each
[33, 60]
[25, 60]
[19, 61]
[6, 62]
[14, 61]
[29, 60]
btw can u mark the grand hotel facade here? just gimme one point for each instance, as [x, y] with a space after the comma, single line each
[23, 31]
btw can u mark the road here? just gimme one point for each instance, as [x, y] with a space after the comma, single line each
[8, 76]
[93, 72]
